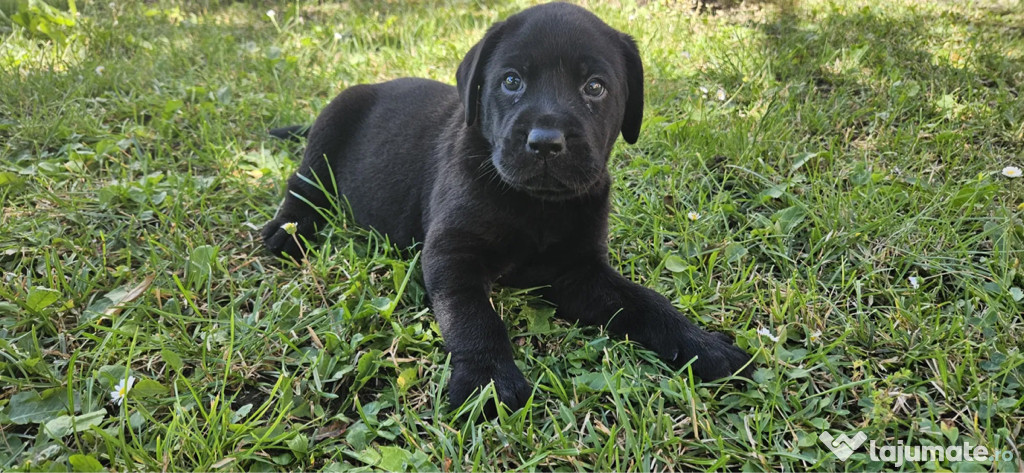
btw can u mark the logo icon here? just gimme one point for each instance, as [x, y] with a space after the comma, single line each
[843, 446]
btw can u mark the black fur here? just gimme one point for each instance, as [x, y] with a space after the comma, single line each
[502, 181]
[294, 133]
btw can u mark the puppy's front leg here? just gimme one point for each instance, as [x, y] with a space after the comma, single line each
[459, 282]
[596, 294]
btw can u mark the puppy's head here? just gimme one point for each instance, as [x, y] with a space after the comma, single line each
[551, 88]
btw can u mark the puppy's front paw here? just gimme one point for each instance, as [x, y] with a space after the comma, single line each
[471, 375]
[678, 341]
[718, 357]
[283, 236]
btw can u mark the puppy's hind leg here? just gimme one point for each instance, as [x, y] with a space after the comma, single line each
[310, 199]
[302, 213]
[313, 189]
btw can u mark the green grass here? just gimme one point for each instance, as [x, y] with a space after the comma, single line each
[859, 144]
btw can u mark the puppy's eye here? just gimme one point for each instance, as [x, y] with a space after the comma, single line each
[512, 82]
[594, 88]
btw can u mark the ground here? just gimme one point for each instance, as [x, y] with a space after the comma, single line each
[829, 182]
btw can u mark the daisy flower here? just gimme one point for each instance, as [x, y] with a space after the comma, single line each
[913, 282]
[693, 216]
[1011, 171]
[720, 95]
[763, 331]
[271, 13]
[121, 390]
[290, 227]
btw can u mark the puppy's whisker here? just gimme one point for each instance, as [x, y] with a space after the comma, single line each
[487, 172]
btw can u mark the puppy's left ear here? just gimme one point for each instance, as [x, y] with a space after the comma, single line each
[635, 85]
[470, 76]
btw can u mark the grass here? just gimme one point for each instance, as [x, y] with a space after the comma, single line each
[855, 233]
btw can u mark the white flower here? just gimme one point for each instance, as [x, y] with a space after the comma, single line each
[337, 36]
[290, 227]
[763, 331]
[121, 390]
[815, 336]
[720, 95]
[100, 69]
[1011, 171]
[703, 90]
[693, 216]
[271, 13]
[913, 282]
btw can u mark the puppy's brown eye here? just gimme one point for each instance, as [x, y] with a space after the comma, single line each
[594, 88]
[512, 82]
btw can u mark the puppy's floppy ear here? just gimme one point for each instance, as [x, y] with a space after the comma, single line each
[635, 85]
[470, 76]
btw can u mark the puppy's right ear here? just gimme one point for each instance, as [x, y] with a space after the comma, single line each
[470, 76]
[635, 85]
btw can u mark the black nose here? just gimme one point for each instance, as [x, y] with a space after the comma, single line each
[545, 142]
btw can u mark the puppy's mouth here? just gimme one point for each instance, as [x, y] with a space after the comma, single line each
[545, 179]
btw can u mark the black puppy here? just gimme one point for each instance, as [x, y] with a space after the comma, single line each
[502, 178]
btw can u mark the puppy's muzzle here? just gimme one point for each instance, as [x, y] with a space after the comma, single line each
[545, 142]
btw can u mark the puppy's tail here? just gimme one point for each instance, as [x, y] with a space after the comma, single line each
[294, 132]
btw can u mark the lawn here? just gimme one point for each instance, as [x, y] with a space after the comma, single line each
[822, 180]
